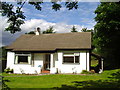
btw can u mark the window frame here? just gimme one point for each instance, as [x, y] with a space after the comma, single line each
[74, 55]
[29, 57]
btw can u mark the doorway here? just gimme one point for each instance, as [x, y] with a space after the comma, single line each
[47, 62]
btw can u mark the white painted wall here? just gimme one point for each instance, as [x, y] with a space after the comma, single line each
[61, 67]
[83, 60]
[54, 60]
[38, 59]
[10, 59]
[57, 64]
[25, 68]
[88, 61]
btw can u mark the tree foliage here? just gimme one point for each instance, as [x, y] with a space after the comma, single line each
[3, 53]
[84, 30]
[107, 32]
[16, 17]
[31, 32]
[74, 29]
[92, 37]
[87, 30]
[49, 30]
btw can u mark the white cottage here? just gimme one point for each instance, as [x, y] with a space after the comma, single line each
[51, 53]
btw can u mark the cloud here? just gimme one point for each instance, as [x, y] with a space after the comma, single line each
[30, 25]
[62, 20]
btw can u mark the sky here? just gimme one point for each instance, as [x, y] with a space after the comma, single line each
[62, 21]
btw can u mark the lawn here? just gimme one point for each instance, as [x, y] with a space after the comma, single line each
[108, 79]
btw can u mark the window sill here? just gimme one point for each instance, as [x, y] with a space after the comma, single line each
[22, 64]
[72, 63]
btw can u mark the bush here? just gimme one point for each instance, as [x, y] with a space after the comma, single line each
[86, 72]
[8, 70]
[92, 71]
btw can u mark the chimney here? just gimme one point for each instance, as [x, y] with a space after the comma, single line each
[37, 31]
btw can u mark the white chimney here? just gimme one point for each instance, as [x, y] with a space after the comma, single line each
[37, 31]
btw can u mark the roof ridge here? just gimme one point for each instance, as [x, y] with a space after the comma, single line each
[57, 33]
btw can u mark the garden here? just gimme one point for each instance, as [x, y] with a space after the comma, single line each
[107, 79]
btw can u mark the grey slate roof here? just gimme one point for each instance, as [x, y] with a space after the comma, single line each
[51, 42]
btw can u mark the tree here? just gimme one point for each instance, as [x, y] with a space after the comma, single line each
[92, 37]
[31, 32]
[3, 53]
[84, 30]
[107, 32]
[73, 29]
[16, 17]
[49, 30]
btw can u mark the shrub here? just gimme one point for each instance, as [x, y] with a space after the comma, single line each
[8, 70]
[92, 71]
[86, 72]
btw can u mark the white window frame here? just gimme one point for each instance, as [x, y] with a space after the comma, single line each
[74, 54]
[22, 54]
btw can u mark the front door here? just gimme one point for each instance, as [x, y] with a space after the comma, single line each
[47, 62]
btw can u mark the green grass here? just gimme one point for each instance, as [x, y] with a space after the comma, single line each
[62, 81]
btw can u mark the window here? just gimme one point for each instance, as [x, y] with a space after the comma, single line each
[22, 58]
[68, 59]
[71, 58]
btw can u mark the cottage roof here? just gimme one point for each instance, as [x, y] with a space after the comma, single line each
[51, 42]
